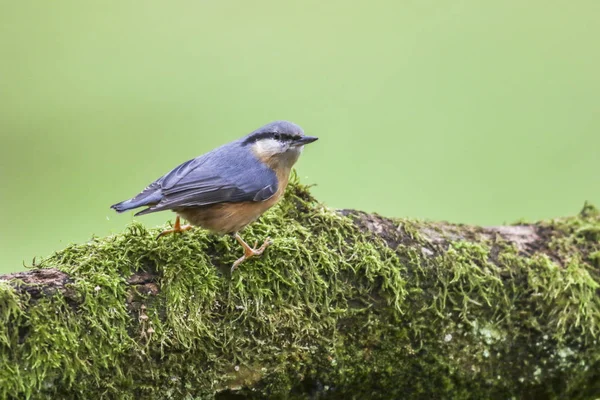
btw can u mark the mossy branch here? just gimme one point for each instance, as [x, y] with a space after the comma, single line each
[343, 304]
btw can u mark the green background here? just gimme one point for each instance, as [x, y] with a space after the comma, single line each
[471, 111]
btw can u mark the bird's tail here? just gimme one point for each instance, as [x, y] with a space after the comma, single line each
[148, 197]
[124, 206]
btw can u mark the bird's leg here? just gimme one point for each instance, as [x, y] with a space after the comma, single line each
[249, 251]
[176, 228]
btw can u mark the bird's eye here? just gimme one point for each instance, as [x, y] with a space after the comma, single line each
[277, 136]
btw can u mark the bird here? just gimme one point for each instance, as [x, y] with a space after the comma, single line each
[229, 187]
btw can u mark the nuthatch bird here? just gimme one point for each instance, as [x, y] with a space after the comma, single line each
[230, 187]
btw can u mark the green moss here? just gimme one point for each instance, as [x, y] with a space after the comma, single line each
[327, 309]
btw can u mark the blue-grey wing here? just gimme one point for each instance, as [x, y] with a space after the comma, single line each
[216, 177]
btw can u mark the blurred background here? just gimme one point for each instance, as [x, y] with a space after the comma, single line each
[469, 111]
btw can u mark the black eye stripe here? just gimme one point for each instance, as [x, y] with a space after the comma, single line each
[268, 135]
[284, 136]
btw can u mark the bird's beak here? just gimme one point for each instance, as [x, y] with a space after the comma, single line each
[305, 140]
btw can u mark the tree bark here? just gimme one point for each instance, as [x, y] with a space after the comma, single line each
[344, 304]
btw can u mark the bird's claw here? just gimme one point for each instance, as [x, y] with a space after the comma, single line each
[177, 228]
[250, 252]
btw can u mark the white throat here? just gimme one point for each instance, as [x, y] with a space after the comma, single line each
[276, 154]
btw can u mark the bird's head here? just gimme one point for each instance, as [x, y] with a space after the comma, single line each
[279, 143]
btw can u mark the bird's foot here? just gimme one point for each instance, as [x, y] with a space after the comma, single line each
[249, 251]
[176, 228]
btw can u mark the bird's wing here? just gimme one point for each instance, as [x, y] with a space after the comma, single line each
[216, 177]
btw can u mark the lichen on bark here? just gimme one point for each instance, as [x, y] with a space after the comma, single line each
[343, 304]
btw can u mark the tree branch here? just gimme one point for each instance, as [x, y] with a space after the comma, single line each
[343, 304]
